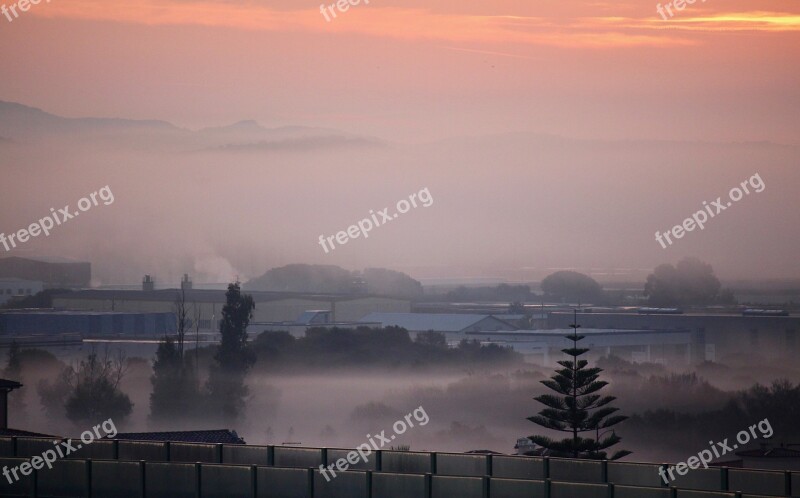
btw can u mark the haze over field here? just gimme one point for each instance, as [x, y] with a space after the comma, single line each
[240, 199]
[550, 134]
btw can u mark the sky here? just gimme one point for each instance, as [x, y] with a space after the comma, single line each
[417, 70]
[441, 83]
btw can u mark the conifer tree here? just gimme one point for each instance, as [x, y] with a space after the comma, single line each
[578, 408]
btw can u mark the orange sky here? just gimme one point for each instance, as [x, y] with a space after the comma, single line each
[417, 70]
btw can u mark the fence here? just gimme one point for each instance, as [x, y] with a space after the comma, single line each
[109, 468]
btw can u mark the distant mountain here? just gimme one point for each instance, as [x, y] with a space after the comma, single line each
[21, 121]
[28, 124]
[331, 279]
[302, 144]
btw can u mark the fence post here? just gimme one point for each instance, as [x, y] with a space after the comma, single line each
[486, 484]
[610, 493]
[324, 456]
[254, 481]
[433, 462]
[34, 490]
[271, 455]
[88, 470]
[219, 452]
[664, 467]
[548, 485]
[546, 467]
[143, 477]
[428, 485]
[369, 483]
[489, 465]
[379, 460]
[788, 485]
[310, 482]
[604, 471]
[724, 478]
[198, 474]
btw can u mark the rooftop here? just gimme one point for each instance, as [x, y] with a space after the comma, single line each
[224, 436]
[203, 295]
[438, 322]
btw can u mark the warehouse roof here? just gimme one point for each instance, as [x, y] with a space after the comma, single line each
[204, 295]
[438, 322]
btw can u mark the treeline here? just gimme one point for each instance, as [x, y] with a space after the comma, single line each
[779, 403]
[390, 347]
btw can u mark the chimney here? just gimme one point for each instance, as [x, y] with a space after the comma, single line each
[6, 386]
[186, 284]
[148, 284]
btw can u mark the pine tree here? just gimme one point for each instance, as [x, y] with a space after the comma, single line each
[577, 408]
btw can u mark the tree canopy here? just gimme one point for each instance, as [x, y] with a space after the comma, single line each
[691, 281]
[569, 285]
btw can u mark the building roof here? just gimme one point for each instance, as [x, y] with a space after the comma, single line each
[57, 312]
[46, 259]
[21, 433]
[224, 436]
[15, 279]
[779, 452]
[307, 317]
[206, 295]
[438, 322]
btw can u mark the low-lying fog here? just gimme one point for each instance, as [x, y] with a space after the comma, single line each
[467, 409]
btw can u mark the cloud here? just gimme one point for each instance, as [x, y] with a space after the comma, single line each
[570, 28]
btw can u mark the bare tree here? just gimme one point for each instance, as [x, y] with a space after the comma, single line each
[182, 314]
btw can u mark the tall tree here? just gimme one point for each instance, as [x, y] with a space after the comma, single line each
[181, 311]
[577, 408]
[234, 357]
[13, 368]
[176, 392]
[13, 371]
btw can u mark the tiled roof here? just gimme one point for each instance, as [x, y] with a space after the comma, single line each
[211, 436]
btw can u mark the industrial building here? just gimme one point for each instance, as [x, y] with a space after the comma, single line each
[205, 306]
[714, 336]
[54, 273]
[16, 288]
[454, 326]
[544, 346]
[87, 324]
